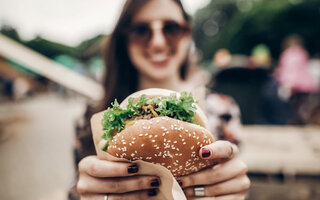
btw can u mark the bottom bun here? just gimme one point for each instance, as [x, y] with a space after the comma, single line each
[171, 143]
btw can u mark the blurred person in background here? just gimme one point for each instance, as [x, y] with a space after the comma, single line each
[296, 84]
[290, 97]
[222, 58]
[260, 56]
[150, 47]
[292, 73]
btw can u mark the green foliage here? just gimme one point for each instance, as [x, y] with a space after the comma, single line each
[267, 21]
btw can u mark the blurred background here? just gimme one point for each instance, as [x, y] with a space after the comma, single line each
[263, 53]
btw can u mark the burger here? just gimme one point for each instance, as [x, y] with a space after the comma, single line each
[158, 126]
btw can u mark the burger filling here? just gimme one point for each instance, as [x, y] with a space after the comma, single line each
[115, 118]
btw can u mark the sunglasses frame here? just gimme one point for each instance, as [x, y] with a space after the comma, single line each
[178, 31]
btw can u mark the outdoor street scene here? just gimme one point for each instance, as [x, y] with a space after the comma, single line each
[251, 66]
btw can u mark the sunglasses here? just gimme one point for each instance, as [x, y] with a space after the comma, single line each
[142, 32]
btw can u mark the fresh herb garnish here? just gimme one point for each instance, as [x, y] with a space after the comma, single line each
[181, 108]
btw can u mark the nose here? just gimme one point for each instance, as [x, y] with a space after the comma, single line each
[157, 40]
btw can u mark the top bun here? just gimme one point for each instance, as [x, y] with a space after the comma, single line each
[199, 118]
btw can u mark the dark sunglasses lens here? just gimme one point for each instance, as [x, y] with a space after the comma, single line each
[140, 33]
[173, 30]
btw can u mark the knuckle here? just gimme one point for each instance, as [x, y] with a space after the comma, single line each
[121, 169]
[81, 187]
[81, 165]
[217, 175]
[93, 169]
[245, 183]
[243, 166]
[117, 187]
[141, 183]
[190, 180]
[216, 189]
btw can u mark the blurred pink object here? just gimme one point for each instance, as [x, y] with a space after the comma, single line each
[293, 70]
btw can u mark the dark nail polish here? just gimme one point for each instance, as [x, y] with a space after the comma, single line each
[152, 192]
[205, 153]
[133, 169]
[155, 183]
[180, 182]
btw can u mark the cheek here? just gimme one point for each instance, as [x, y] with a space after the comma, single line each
[182, 50]
[135, 55]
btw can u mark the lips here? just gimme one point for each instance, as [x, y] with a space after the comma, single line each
[159, 60]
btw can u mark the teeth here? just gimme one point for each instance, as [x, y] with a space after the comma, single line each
[159, 57]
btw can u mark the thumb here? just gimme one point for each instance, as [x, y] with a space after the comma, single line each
[219, 149]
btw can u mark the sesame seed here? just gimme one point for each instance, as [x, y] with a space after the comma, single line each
[192, 147]
[153, 140]
[150, 136]
[175, 142]
[140, 134]
[142, 145]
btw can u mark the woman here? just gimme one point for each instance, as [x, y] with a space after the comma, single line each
[149, 48]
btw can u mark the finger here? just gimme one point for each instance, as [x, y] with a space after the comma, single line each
[146, 194]
[87, 184]
[238, 196]
[101, 168]
[219, 149]
[236, 185]
[215, 174]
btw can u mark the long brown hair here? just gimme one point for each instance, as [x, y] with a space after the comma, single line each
[121, 77]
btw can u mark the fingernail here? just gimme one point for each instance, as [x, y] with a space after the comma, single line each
[155, 183]
[180, 182]
[205, 152]
[133, 169]
[152, 192]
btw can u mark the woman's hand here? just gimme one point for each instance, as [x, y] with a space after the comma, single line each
[226, 180]
[116, 179]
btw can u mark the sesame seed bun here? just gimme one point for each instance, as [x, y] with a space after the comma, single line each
[169, 142]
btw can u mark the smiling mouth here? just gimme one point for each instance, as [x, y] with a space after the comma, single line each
[158, 58]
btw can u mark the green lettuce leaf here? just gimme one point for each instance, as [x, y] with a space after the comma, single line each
[182, 108]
